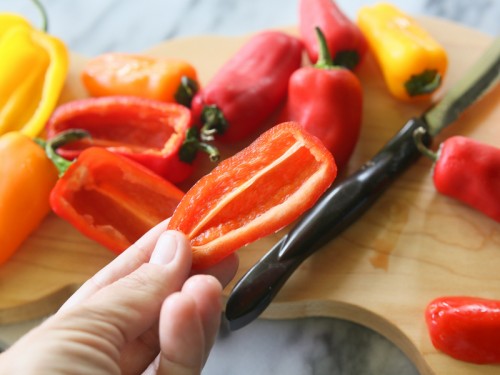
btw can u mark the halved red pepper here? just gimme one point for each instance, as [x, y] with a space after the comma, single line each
[345, 40]
[327, 100]
[254, 193]
[466, 328]
[148, 131]
[467, 170]
[111, 199]
[249, 88]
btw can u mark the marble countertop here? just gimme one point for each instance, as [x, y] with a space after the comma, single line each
[303, 346]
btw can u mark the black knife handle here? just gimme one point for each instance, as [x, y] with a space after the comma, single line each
[339, 207]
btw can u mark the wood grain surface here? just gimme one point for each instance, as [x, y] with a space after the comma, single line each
[412, 246]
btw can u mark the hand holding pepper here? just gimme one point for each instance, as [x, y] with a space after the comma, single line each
[147, 292]
[326, 100]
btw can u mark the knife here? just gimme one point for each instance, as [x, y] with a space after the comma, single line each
[342, 204]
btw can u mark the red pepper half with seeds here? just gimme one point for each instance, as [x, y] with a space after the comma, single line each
[327, 101]
[248, 88]
[467, 170]
[150, 132]
[345, 40]
[466, 328]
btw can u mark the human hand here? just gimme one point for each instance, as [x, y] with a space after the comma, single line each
[144, 312]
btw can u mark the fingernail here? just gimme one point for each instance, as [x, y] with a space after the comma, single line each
[165, 248]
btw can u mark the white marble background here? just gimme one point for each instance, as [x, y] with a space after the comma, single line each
[91, 27]
[297, 347]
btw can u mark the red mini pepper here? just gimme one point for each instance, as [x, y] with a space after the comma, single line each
[326, 101]
[466, 328]
[248, 89]
[345, 40]
[148, 131]
[111, 199]
[467, 170]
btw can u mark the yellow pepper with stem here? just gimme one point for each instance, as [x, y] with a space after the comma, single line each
[413, 63]
[33, 69]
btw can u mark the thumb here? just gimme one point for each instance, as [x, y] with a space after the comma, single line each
[123, 310]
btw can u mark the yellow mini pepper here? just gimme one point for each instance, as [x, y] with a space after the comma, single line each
[33, 69]
[412, 62]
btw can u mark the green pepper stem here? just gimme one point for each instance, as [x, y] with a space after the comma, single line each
[186, 91]
[348, 59]
[43, 13]
[192, 144]
[213, 121]
[324, 56]
[343, 59]
[424, 83]
[60, 140]
[418, 135]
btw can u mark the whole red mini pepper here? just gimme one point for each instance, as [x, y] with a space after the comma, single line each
[466, 328]
[345, 40]
[467, 170]
[148, 131]
[326, 100]
[248, 88]
[111, 199]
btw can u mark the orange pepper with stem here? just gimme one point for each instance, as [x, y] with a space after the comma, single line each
[28, 177]
[166, 79]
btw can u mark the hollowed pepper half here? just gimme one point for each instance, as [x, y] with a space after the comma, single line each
[148, 131]
[111, 199]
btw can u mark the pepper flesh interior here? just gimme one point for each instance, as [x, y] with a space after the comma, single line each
[125, 202]
[123, 132]
[252, 198]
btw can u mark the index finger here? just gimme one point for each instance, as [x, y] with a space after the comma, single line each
[124, 264]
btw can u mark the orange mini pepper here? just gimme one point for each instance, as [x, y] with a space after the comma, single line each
[166, 79]
[28, 176]
[27, 179]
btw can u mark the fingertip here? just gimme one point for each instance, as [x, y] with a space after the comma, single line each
[170, 244]
[182, 340]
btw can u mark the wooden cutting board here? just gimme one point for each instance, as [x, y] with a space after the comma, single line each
[412, 246]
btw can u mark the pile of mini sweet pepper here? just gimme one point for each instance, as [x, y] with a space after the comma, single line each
[110, 162]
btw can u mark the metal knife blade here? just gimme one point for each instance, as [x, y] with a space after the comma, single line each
[481, 76]
[344, 203]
